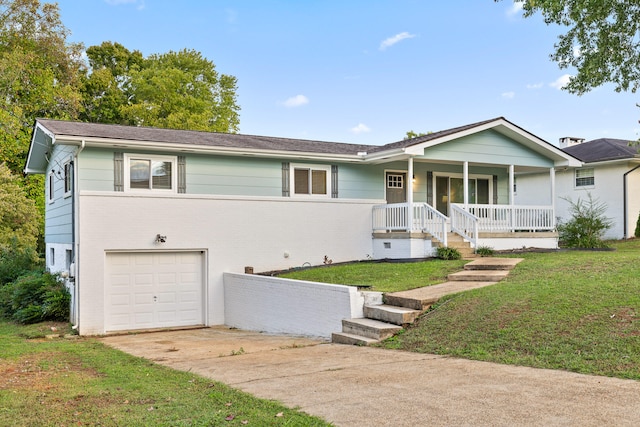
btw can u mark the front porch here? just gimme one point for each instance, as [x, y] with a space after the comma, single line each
[417, 231]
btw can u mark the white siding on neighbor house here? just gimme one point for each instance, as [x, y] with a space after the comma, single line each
[58, 213]
[276, 305]
[607, 189]
[265, 233]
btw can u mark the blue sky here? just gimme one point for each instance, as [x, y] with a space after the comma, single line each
[368, 71]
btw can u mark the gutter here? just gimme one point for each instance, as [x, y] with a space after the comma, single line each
[75, 230]
[625, 201]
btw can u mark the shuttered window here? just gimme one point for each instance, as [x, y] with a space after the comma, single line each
[313, 180]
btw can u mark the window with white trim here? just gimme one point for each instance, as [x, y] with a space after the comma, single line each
[144, 172]
[51, 188]
[395, 180]
[311, 180]
[67, 179]
[585, 177]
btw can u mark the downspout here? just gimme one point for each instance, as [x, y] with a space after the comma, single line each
[625, 201]
[75, 233]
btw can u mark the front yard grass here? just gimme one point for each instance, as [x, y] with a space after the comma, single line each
[381, 276]
[63, 382]
[571, 310]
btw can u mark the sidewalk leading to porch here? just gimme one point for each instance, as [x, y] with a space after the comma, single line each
[402, 308]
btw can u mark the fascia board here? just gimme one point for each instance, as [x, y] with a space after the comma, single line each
[203, 149]
[33, 146]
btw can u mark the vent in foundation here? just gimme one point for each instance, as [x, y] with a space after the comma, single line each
[387, 245]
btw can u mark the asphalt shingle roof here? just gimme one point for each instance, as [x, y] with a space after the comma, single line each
[603, 149]
[212, 139]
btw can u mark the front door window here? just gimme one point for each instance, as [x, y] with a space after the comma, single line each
[451, 190]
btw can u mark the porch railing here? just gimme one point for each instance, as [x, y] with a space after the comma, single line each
[465, 224]
[506, 218]
[426, 219]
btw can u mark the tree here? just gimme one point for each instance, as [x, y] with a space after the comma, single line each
[39, 74]
[411, 134]
[19, 217]
[602, 41]
[179, 90]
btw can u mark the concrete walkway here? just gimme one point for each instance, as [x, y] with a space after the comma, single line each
[363, 386]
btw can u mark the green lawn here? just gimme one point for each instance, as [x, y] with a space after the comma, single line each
[571, 310]
[64, 382]
[381, 276]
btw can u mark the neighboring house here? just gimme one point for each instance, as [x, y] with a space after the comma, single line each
[145, 221]
[610, 175]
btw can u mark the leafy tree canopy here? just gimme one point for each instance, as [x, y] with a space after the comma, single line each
[19, 217]
[602, 41]
[179, 90]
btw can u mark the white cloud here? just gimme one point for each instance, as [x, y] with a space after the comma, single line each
[508, 95]
[561, 81]
[535, 85]
[395, 39]
[296, 101]
[515, 8]
[361, 128]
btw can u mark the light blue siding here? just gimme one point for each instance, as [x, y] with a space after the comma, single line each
[59, 212]
[487, 147]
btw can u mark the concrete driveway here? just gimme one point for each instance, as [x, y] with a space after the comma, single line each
[362, 386]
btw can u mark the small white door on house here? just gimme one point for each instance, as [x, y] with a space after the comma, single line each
[148, 290]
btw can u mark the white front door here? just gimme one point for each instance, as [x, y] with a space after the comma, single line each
[148, 290]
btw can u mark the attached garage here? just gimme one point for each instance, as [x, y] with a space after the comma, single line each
[149, 290]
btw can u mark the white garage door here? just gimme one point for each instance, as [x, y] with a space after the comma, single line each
[153, 290]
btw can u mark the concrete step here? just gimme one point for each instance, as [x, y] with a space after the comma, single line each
[490, 263]
[391, 314]
[369, 328]
[478, 276]
[351, 339]
[411, 301]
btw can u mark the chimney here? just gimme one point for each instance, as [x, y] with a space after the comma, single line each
[569, 141]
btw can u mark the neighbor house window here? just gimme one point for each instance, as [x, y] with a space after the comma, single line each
[585, 177]
[67, 179]
[311, 180]
[150, 173]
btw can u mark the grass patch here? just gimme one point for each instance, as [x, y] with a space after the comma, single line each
[382, 276]
[80, 381]
[573, 310]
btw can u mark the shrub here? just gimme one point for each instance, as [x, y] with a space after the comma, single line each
[448, 253]
[484, 251]
[35, 297]
[16, 261]
[587, 224]
[637, 232]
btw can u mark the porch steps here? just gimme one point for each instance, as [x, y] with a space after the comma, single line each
[456, 241]
[401, 309]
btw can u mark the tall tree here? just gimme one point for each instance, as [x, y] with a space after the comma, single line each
[180, 90]
[602, 41]
[39, 74]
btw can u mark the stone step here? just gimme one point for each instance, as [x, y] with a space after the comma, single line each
[351, 339]
[490, 263]
[478, 276]
[413, 302]
[369, 328]
[391, 314]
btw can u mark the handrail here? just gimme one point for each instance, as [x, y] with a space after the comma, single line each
[511, 218]
[426, 219]
[465, 224]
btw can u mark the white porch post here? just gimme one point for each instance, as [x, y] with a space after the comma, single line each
[512, 196]
[465, 183]
[409, 187]
[552, 179]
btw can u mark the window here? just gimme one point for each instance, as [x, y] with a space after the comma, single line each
[52, 257]
[585, 177]
[395, 181]
[67, 179]
[150, 173]
[51, 189]
[311, 180]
